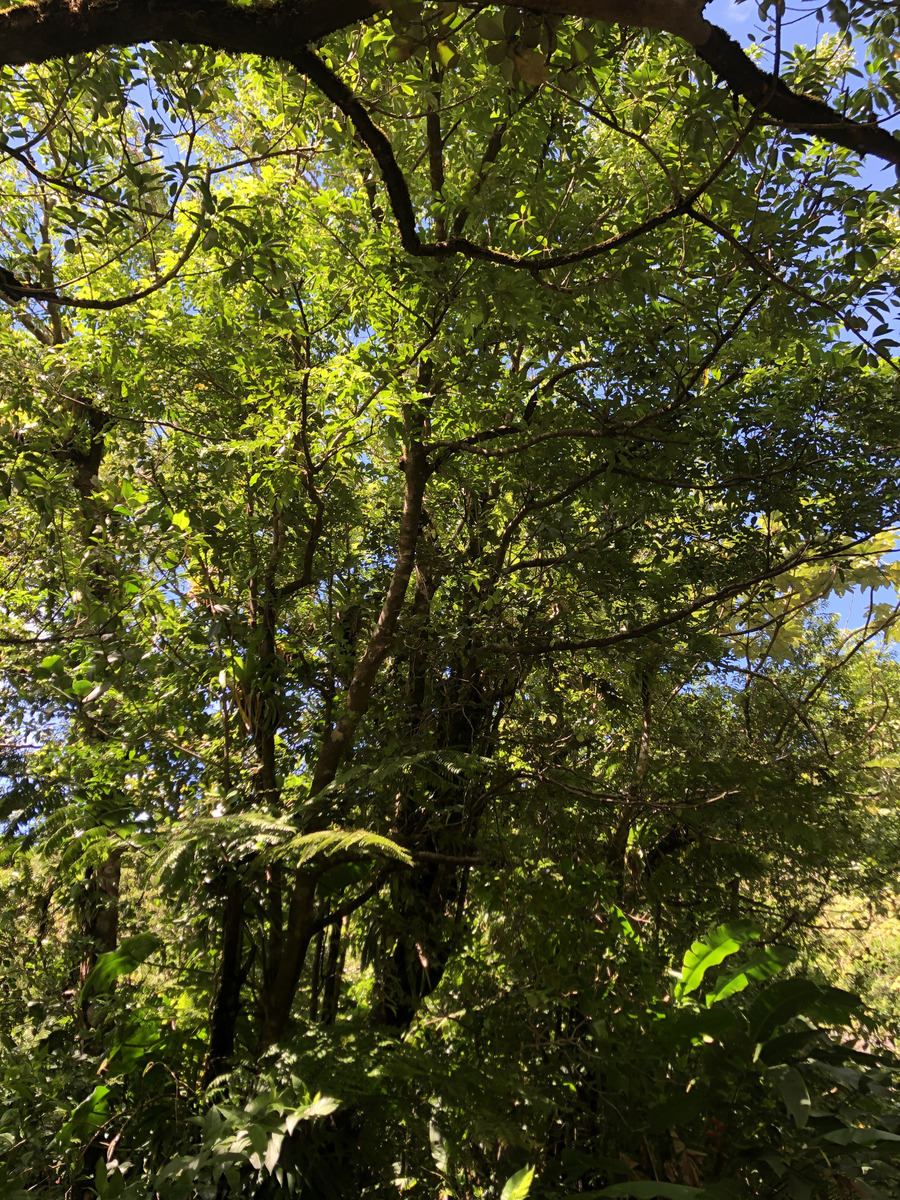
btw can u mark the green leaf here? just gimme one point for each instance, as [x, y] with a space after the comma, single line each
[860, 1137]
[446, 55]
[709, 952]
[132, 951]
[320, 1106]
[835, 1006]
[789, 998]
[518, 1186]
[786, 1047]
[532, 66]
[86, 1118]
[336, 841]
[782, 1002]
[273, 1151]
[794, 1093]
[489, 27]
[683, 1026]
[259, 1139]
[766, 962]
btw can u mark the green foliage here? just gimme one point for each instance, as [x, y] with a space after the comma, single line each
[710, 953]
[518, 1186]
[127, 957]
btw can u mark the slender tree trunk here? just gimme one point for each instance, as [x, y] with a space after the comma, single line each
[617, 847]
[315, 985]
[302, 912]
[262, 711]
[99, 921]
[301, 920]
[274, 917]
[228, 993]
[334, 970]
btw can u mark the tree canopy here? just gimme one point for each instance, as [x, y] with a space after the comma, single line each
[427, 763]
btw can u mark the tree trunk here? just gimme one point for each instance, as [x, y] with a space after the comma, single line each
[302, 912]
[228, 993]
[99, 922]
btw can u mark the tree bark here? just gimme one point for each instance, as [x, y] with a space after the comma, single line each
[99, 920]
[334, 970]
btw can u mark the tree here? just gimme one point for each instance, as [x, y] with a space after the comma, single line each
[414, 621]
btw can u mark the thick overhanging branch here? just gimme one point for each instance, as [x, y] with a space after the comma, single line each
[796, 111]
[51, 29]
[47, 29]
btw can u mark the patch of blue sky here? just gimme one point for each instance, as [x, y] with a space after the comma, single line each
[801, 24]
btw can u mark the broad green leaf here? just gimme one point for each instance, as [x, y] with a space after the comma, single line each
[721, 1024]
[762, 965]
[273, 1151]
[789, 998]
[131, 952]
[489, 27]
[518, 1186]
[710, 951]
[532, 67]
[259, 1139]
[794, 1093]
[321, 1106]
[860, 1137]
[87, 1117]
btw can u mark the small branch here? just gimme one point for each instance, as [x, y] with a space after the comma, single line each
[795, 560]
[768, 271]
[15, 291]
[459, 860]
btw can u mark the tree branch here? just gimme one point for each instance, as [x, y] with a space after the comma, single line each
[338, 739]
[729, 592]
[16, 291]
[803, 113]
[47, 29]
